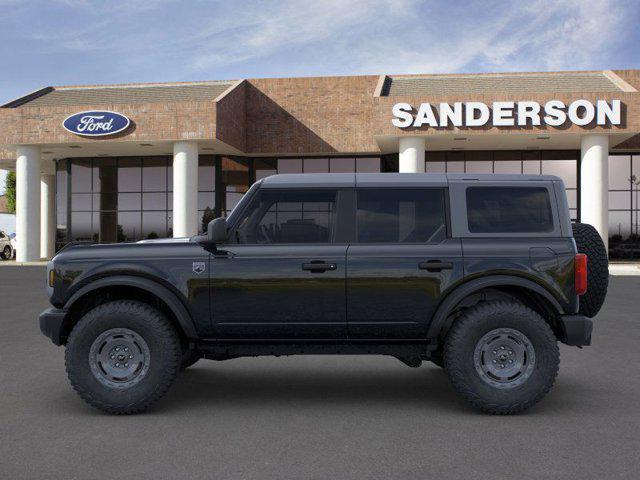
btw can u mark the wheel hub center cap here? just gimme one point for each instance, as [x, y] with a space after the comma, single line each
[504, 358]
[119, 358]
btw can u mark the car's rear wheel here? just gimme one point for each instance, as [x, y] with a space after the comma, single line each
[501, 356]
[589, 242]
[122, 356]
[6, 253]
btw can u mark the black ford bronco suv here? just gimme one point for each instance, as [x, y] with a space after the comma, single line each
[479, 274]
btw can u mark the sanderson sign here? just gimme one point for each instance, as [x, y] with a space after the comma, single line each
[96, 123]
[507, 114]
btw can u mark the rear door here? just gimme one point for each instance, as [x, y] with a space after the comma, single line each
[400, 263]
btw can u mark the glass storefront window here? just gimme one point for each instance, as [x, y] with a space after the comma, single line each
[531, 167]
[624, 205]
[368, 165]
[81, 175]
[206, 174]
[265, 167]
[436, 167]
[455, 167]
[565, 169]
[507, 166]
[206, 200]
[129, 226]
[154, 201]
[315, 165]
[289, 165]
[61, 204]
[479, 167]
[81, 230]
[129, 174]
[154, 224]
[342, 165]
[154, 174]
[206, 191]
[234, 182]
[619, 172]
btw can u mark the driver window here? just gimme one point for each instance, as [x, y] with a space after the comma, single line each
[289, 216]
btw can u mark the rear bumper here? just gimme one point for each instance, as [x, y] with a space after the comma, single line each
[576, 330]
[51, 323]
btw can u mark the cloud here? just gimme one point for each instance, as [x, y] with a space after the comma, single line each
[78, 41]
[289, 25]
[542, 35]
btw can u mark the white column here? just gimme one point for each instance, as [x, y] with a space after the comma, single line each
[594, 183]
[185, 189]
[411, 154]
[47, 215]
[28, 203]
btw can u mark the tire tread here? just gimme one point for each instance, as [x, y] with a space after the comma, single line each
[163, 329]
[462, 328]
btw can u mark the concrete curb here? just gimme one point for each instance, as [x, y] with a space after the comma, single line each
[11, 263]
[624, 269]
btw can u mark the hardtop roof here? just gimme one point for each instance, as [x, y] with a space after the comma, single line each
[344, 180]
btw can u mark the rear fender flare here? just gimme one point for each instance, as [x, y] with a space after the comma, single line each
[164, 294]
[439, 320]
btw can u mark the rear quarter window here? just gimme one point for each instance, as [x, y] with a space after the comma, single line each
[509, 210]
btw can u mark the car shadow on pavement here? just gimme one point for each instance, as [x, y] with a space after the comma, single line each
[204, 386]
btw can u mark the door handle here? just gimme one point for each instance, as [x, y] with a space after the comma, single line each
[318, 266]
[435, 266]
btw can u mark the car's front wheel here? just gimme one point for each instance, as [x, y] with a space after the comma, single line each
[122, 356]
[501, 356]
[6, 253]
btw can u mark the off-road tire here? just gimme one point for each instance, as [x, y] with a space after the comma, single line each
[471, 327]
[6, 253]
[190, 356]
[589, 242]
[164, 352]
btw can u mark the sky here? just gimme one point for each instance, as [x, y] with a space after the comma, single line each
[76, 42]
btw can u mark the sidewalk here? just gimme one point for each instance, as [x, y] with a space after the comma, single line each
[13, 263]
[624, 269]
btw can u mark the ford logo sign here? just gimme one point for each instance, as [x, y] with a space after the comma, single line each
[96, 123]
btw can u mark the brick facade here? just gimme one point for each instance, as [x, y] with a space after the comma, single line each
[291, 116]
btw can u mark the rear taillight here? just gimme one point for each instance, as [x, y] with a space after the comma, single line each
[580, 263]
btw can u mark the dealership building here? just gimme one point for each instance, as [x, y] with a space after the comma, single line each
[114, 163]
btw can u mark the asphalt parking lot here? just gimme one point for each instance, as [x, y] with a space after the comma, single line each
[318, 417]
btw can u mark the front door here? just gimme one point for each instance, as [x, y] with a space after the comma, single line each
[282, 275]
[401, 262]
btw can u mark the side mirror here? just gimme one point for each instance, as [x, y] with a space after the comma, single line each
[217, 230]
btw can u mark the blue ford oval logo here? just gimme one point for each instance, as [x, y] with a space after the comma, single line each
[96, 123]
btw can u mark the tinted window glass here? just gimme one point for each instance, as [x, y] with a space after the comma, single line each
[289, 216]
[401, 216]
[509, 210]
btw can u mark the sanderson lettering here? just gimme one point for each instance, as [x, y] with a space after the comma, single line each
[554, 113]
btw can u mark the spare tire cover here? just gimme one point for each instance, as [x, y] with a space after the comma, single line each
[589, 242]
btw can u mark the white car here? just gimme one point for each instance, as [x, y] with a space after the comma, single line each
[6, 246]
[14, 243]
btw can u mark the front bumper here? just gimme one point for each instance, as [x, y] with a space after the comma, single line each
[51, 324]
[576, 330]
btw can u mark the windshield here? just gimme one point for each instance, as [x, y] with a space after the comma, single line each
[241, 204]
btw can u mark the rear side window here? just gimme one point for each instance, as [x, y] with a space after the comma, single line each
[401, 216]
[509, 210]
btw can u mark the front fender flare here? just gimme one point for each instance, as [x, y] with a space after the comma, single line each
[163, 293]
[461, 292]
